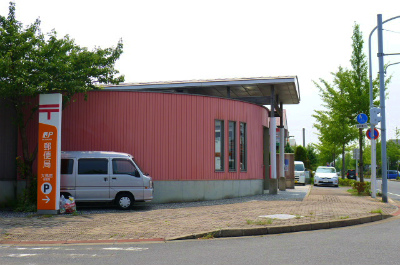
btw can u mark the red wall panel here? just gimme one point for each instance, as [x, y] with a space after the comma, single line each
[170, 135]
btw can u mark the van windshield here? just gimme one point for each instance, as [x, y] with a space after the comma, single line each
[137, 165]
[298, 167]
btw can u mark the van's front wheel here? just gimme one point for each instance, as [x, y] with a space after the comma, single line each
[124, 201]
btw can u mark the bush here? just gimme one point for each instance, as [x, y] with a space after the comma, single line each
[362, 187]
[346, 182]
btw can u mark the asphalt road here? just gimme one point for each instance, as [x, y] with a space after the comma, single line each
[393, 189]
[375, 243]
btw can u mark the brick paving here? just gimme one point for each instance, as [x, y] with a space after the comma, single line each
[320, 205]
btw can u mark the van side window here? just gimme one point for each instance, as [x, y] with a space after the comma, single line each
[66, 166]
[123, 166]
[87, 166]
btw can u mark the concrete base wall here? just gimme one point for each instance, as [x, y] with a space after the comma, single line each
[290, 183]
[186, 191]
[9, 190]
[282, 183]
[273, 186]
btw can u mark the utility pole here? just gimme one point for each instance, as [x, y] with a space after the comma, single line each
[304, 137]
[383, 112]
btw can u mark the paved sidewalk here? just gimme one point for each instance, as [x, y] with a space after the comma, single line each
[322, 208]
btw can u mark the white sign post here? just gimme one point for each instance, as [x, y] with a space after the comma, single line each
[49, 153]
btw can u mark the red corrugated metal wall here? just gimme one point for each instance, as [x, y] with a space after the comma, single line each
[170, 135]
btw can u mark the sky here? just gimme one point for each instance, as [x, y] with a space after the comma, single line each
[210, 39]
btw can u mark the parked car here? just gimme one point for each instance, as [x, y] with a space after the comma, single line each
[326, 176]
[392, 174]
[104, 177]
[299, 173]
[351, 174]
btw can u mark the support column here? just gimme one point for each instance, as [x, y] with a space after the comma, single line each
[266, 158]
[273, 187]
[282, 179]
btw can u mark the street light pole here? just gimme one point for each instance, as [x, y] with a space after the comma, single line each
[383, 114]
[371, 105]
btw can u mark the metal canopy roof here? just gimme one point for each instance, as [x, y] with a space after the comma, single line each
[253, 90]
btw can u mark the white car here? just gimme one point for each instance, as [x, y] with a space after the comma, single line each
[299, 173]
[326, 176]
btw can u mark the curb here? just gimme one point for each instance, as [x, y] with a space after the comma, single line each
[284, 228]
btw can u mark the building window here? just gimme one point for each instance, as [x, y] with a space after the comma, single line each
[232, 146]
[243, 146]
[219, 145]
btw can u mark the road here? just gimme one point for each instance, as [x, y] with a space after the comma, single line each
[374, 243]
[393, 189]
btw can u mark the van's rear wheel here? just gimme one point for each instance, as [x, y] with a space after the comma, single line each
[124, 201]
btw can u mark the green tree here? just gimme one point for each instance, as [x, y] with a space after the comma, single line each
[348, 97]
[288, 149]
[32, 64]
[300, 154]
[393, 154]
[312, 157]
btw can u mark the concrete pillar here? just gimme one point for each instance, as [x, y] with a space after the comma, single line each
[266, 158]
[282, 179]
[273, 189]
[273, 186]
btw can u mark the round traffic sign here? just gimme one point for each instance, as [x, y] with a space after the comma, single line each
[362, 118]
[376, 134]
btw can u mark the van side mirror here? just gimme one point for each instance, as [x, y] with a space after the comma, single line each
[137, 174]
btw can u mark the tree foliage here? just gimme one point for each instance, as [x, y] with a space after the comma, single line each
[288, 149]
[300, 154]
[347, 97]
[312, 157]
[32, 63]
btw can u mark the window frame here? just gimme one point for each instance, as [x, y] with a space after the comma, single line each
[243, 144]
[221, 145]
[232, 147]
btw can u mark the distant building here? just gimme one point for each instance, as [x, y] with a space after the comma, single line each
[397, 141]
[292, 142]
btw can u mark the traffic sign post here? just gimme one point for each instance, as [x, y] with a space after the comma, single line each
[49, 154]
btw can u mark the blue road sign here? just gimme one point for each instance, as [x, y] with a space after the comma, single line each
[362, 118]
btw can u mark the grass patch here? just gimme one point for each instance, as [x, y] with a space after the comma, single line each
[377, 211]
[344, 217]
[208, 236]
[355, 192]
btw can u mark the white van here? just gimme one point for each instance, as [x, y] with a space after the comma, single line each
[104, 177]
[299, 173]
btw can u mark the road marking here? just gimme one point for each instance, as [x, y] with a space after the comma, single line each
[378, 190]
[21, 255]
[126, 249]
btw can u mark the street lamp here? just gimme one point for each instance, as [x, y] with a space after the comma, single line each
[383, 123]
